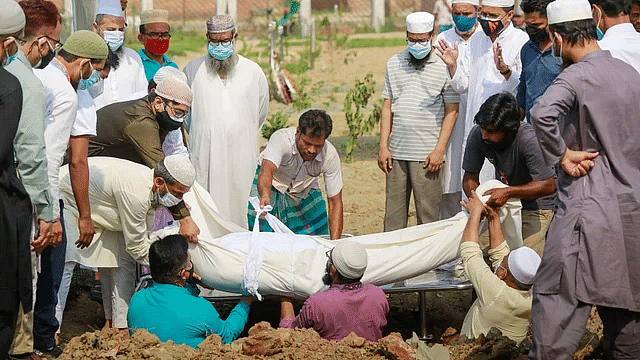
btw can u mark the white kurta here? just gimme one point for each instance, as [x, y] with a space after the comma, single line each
[478, 76]
[226, 118]
[458, 140]
[126, 80]
[120, 195]
[624, 43]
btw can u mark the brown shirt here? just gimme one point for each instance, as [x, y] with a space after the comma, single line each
[128, 130]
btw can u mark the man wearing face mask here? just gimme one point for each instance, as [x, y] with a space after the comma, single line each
[465, 15]
[418, 115]
[511, 146]
[129, 77]
[615, 31]
[230, 104]
[348, 305]
[135, 130]
[539, 65]
[493, 64]
[82, 53]
[15, 208]
[42, 28]
[155, 37]
[128, 194]
[591, 253]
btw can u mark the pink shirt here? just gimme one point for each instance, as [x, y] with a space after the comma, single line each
[343, 309]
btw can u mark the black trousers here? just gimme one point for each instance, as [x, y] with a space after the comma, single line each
[8, 327]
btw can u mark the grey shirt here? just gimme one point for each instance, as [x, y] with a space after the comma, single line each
[597, 225]
[516, 164]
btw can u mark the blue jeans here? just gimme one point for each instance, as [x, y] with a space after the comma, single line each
[45, 323]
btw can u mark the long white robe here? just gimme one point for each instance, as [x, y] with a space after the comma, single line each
[226, 118]
[478, 76]
[123, 82]
[458, 140]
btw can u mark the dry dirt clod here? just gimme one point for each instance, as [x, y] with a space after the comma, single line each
[395, 348]
[354, 340]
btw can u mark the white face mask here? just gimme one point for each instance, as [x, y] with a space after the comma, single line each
[168, 199]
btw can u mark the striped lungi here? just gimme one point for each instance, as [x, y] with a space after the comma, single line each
[303, 216]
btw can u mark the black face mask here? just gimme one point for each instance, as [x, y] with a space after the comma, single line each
[166, 123]
[536, 34]
[326, 279]
[487, 29]
[45, 60]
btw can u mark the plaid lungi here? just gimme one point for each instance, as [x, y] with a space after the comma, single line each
[303, 216]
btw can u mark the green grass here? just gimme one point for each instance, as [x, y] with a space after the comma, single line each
[380, 42]
[181, 42]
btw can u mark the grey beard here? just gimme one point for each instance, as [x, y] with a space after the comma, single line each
[222, 67]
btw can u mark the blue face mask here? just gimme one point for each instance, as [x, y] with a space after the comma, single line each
[92, 80]
[114, 39]
[464, 24]
[10, 59]
[419, 50]
[220, 52]
[599, 32]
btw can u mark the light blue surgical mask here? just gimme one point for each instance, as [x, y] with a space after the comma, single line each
[219, 51]
[599, 32]
[465, 24]
[114, 39]
[10, 59]
[419, 50]
[168, 199]
[92, 80]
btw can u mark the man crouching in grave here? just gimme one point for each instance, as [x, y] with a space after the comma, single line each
[171, 308]
[504, 295]
[348, 306]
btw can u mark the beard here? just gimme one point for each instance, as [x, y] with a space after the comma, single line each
[222, 67]
[326, 278]
[418, 63]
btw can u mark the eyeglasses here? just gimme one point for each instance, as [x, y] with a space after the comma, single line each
[224, 43]
[57, 43]
[156, 35]
[421, 42]
[190, 270]
[328, 254]
[18, 41]
[179, 113]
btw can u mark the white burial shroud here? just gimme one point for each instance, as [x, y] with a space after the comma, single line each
[293, 265]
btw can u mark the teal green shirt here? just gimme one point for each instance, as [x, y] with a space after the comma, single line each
[151, 66]
[174, 313]
[30, 153]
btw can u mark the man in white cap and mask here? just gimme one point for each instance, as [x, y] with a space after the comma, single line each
[465, 20]
[15, 207]
[591, 254]
[83, 54]
[155, 36]
[348, 306]
[230, 104]
[127, 193]
[504, 294]
[418, 116]
[493, 62]
[129, 77]
[615, 31]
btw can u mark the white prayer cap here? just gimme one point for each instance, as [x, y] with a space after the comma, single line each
[167, 72]
[420, 22]
[472, 2]
[154, 16]
[523, 264]
[350, 259]
[561, 11]
[180, 167]
[499, 3]
[175, 90]
[12, 17]
[109, 7]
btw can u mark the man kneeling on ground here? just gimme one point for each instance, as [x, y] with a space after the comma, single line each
[504, 296]
[171, 309]
[348, 306]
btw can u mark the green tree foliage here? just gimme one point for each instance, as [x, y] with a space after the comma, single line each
[354, 105]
